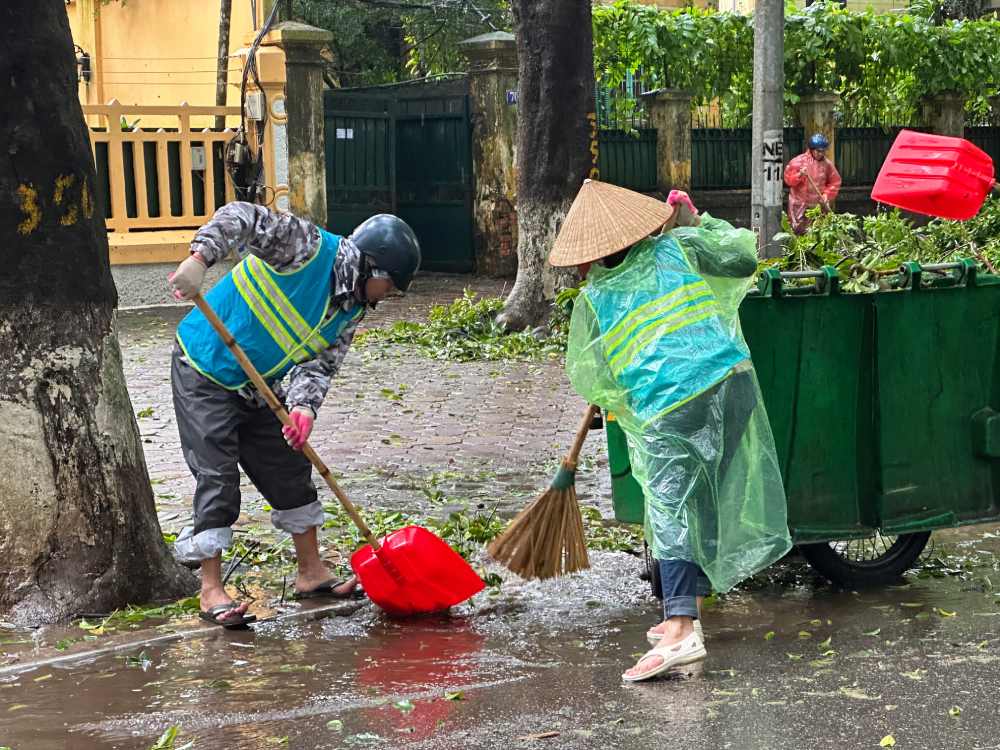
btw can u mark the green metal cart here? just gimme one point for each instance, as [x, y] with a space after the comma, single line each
[885, 410]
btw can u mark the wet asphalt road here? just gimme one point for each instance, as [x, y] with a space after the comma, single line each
[841, 670]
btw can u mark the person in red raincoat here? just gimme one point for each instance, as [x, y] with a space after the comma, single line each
[812, 180]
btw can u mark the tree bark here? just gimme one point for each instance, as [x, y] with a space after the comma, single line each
[555, 97]
[78, 528]
[222, 60]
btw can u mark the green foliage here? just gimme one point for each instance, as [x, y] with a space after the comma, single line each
[696, 50]
[881, 65]
[466, 330]
[168, 741]
[611, 537]
[433, 40]
[375, 45]
[868, 251]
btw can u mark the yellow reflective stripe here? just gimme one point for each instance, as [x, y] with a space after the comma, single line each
[261, 311]
[649, 310]
[284, 306]
[659, 312]
[679, 319]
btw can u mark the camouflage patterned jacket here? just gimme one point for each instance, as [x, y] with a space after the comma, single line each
[286, 242]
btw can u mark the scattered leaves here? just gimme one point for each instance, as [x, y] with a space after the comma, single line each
[168, 740]
[404, 705]
[859, 695]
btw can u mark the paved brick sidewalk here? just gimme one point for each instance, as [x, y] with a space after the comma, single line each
[489, 432]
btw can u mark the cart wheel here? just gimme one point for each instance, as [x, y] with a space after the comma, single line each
[872, 561]
[652, 573]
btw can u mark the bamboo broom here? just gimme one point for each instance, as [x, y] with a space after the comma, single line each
[546, 539]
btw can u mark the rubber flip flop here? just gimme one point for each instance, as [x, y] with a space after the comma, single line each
[328, 590]
[232, 623]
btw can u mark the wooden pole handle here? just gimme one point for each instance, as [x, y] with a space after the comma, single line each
[816, 190]
[581, 435]
[278, 408]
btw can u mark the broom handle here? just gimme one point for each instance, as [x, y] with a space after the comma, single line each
[815, 188]
[581, 435]
[279, 410]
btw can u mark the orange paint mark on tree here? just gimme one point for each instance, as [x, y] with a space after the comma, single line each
[63, 182]
[595, 173]
[86, 200]
[29, 207]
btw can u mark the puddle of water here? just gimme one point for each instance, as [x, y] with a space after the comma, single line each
[537, 656]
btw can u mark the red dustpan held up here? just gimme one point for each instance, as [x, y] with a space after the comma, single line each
[936, 175]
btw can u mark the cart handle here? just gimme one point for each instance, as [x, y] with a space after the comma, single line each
[772, 282]
[912, 272]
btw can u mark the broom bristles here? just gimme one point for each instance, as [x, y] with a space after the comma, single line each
[546, 539]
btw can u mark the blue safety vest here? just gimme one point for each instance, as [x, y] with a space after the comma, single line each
[661, 333]
[277, 318]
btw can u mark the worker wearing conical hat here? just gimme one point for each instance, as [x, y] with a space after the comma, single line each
[655, 340]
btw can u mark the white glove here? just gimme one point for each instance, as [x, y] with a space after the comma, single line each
[187, 279]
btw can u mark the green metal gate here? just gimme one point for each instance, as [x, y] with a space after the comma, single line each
[408, 156]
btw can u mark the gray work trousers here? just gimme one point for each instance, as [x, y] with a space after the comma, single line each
[220, 432]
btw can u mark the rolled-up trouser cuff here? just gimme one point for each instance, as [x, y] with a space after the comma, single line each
[191, 547]
[680, 606]
[298, 520]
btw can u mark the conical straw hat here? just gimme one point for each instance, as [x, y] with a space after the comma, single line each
[604, 219]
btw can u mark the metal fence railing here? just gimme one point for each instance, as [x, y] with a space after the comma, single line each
[987, 138]
[720, 157]
[628, 158]
[859, 152]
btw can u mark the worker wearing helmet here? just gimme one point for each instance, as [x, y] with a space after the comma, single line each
[293, 304]
[812, 181]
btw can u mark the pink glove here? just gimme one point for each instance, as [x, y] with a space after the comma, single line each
[687, 214]
[298, 433]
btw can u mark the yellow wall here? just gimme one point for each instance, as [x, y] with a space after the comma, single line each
[157, 52]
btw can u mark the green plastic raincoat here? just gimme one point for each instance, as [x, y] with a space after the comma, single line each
[656, 342]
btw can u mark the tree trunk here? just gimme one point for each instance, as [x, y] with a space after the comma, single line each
[222, 60]
[555, 97]
[78, 529]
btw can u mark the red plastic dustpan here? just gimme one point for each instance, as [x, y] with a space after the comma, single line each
[936, 175]
[414, 572]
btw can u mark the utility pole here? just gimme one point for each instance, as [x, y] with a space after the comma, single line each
[768, 119]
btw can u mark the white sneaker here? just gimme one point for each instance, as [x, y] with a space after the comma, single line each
[653, 637]
[672, 657]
